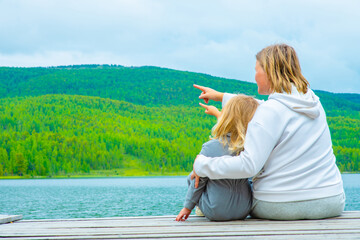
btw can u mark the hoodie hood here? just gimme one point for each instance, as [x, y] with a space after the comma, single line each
[307, 104]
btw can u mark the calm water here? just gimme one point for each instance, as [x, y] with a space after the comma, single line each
[111, 197]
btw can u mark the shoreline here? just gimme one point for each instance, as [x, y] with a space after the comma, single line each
[78, 176]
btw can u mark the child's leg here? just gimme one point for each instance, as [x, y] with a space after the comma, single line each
[226, 199]
[193, 194]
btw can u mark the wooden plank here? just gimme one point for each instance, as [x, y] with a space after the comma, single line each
[270, 237]
[346, 226]
[9, 218]
[345, 215]
[193, 222]
[169, 220]
[168, 230]
[139, 230]
[291, 234]
[182, 233]
[165, 220]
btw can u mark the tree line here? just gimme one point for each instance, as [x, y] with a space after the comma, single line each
[64, 134]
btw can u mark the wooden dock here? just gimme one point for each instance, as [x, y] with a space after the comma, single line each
[346, 226]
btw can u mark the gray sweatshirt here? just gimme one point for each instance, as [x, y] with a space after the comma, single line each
[219, 200]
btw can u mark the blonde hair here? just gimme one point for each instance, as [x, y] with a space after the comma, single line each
[234, 119]
[282, 66]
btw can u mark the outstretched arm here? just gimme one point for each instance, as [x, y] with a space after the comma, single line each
[211, 110]
[209, 94]
[259, 144]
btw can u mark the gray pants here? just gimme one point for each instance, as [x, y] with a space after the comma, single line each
[310, 209]
[222, 199]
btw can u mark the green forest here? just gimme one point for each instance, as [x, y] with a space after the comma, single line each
[86, 119]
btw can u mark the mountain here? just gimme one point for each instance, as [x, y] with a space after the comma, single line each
[72, 119]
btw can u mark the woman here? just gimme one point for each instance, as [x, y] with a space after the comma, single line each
[288, 149]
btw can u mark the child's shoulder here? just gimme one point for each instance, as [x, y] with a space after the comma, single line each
[214, 148]
[213, 143]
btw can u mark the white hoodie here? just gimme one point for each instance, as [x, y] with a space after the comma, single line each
[287, 148]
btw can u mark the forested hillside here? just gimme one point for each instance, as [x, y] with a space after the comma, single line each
[62, 134]
[76, 119]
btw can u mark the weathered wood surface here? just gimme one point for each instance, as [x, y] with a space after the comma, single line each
[9, 218]
[346, 226]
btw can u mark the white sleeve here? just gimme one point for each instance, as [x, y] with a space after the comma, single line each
[259, 101]
[226, 98]
[258, 146]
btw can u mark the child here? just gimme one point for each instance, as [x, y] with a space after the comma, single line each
[223, 199]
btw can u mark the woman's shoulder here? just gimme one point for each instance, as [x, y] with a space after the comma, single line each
[271, 104]
[270, 110]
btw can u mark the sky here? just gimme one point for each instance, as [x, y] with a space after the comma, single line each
[216, 37]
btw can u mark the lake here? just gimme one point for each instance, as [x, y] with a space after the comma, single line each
[111, 197]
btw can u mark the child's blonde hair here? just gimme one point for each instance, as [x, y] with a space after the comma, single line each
[234, 120]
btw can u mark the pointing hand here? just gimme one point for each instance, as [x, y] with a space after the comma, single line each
[209, 94]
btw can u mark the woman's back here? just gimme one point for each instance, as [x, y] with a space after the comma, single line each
[301, 165]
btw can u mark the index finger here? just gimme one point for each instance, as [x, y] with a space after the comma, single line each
[204, 106]
[199, 87]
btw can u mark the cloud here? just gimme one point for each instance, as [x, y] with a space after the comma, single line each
[217, 37]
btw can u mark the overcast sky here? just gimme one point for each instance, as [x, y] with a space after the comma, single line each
[216, 37]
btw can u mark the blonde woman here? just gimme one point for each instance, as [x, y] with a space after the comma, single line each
[226, 199]
[288, 146]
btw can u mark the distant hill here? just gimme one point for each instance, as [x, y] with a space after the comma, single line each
[149, 86]
[114, 113]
